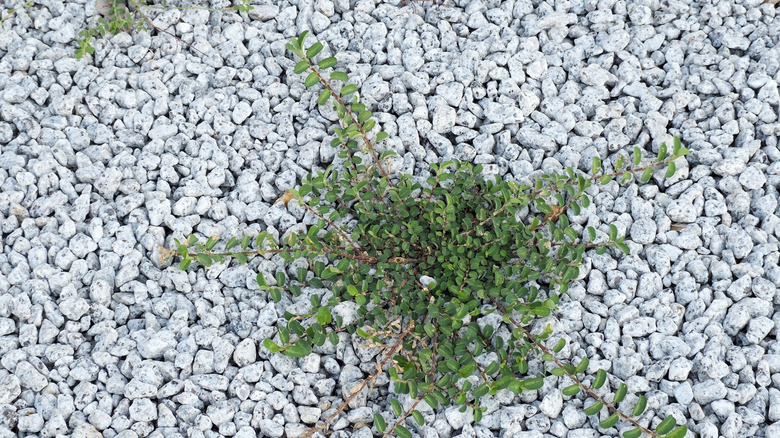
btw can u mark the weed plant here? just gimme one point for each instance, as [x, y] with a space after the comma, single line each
[427, 263]
[119, 19]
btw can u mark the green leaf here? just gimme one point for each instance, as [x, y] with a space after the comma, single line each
[557, 372]
[301, 38]
[323, 315]
[245, 242]
[402, 432]
[231, 243]
[601, 378]
[626, 177]
[261, 280]
[533, 383]
[381, 136]
[637, 155]
[324, 96]
[418, 417]
[481, 390]
[204, 260]
[647, 174]
[640, 406]
[379, 422]
[671, 169]
[311, 80]
[678, 433]
[596, 165]
[280, 278]
[276, 294]
[559, 346]
[582, 366]
[633, 433]
[339, 76]
[661, 152]
[605, 179]
[619, 162]
[271, 346]
[299, 349]
[592, 233]
[314, 50]
[364, 115]
[396, 406]
[184, 264]
[542, 311]
[594, 408]
[348, 89]
[571, 390]
[609, 422]
[301, 67]
[666, 425]
[284, 335]
[612, 232]
[478, 415]
[327, 63]
[431, 400]
[623, 247]
[620, 394]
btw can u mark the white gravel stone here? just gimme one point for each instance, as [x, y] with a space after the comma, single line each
[143, 409]
[552, 403]
[10, 388]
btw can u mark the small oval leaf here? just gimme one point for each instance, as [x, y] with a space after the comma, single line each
[339, 76]
[348, 89]
[601, 377]
[610, 421]
[314, 50]
[327, 62]
[666, 425]
[418, 417]
[533, 383]
[678, 433]
[301, 67]
[661, 152]
[402, 432]
[396, 405]
[379, 422]
[594, 408]
[324, 96]
[620, 394]
[633, 433]
[647, 174]
[571, 390]
[310, 80]
[671, 169]
[640, 406]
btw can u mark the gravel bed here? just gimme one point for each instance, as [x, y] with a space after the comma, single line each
[105, 158]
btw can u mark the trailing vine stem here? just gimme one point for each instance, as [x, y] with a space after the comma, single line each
[361, 385]
[573, 377]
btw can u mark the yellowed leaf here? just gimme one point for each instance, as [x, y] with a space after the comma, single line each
[285, 198]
